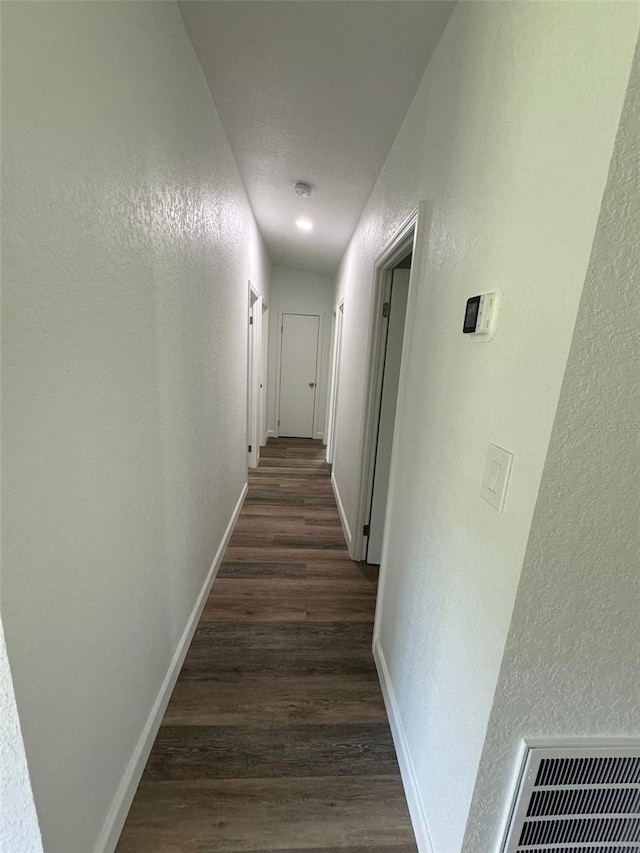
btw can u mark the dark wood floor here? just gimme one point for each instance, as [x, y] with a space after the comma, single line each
[276, 737]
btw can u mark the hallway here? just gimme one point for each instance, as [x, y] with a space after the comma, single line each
[276, 736]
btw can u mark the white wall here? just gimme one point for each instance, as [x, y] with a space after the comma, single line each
[509, 136]
[299, 291]
[570, 667]
[127, 245]
[19, 832]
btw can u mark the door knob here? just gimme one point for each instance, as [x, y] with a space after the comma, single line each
[312, 385]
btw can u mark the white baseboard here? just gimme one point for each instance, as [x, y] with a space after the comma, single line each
[319, 436]
[119, 810]
[271, 433]
[341, 513]
[407, 771]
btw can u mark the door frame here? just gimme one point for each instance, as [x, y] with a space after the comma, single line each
[254, 353]
[410, 237]
[396, 295]
[332, 397]
[263, 425]
[319, 365]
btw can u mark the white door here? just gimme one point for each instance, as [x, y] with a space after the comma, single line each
[298, 372]
[391, 377]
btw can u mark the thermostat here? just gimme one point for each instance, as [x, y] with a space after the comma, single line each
[481, 315]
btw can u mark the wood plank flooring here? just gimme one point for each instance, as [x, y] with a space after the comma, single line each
[276, 738]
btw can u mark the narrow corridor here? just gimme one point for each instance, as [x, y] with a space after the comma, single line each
[276, 737]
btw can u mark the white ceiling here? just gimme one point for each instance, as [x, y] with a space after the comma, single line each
[313, 91]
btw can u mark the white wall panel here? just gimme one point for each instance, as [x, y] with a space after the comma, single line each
[127, 245]
[570, 667]
[509, 137]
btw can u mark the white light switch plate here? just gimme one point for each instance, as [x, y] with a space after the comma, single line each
[496, 476]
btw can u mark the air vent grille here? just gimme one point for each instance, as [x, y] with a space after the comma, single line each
[568, 801]
[603, 770]
[577, 800]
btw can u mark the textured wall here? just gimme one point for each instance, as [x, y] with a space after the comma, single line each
[571, 666]
[19, 831]
[299, 291]
[510, 136]
[127, 245]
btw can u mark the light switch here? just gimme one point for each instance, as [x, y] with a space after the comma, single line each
[496, 476]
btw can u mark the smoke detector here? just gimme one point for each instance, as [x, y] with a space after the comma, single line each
[303, 189]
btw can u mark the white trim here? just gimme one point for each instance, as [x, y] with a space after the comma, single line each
[318, 435]
[509, 801]
[407, 770]
[121, 804]
[341, 512]
[410, 236]
[271, 433]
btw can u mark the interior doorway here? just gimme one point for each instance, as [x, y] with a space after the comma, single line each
[264, 372]
[394, 316]
[395, 275]
[254, 372]
[299, 350]
[335, 378]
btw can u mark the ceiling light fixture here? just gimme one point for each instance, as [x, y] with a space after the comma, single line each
[303, 188]
[304, 224]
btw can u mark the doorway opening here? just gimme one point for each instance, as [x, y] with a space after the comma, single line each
[336, 337]
[394, 316]
[394, 293]
[254, 374]
[264, 372]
